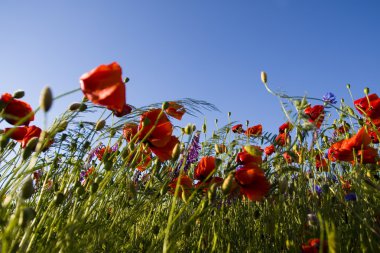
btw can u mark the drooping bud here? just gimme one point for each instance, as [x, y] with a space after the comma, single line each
[264, 77]
[19, 94]
[46, 99]
[227, 183]
[27, 189]
[100, 125]
[74, 106]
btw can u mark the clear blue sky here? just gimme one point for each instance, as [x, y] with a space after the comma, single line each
[210, 50]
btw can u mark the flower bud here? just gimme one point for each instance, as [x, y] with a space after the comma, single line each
[32, 143]
[165, 105]
[58, 198]
[19, 94]
[27, 188]
[227, 183]
[348, 86]
[46, 99]
[204, 127]
[126, 80]
[366, 90]
[176, 151]
[264, 77]
[74, 106]
[100, 125]
[26, 216]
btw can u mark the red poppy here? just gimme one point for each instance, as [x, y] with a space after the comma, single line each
[159, 130]
[185, 184]
[370, 106]
[165, 152]
[321, 163]
[342, 129]
[175, 110]
[286, 126]
[255, 130]
[313, 245]
[253, 183]
[104, 86]
[23, 134]
[129, 131]
[316, 114]
[282, 139]
[205, 168]
[247, 159]
[238, 129]
[16, 109]
[269, 150]
[287, 157]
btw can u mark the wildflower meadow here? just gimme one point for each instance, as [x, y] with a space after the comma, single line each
[141, 180]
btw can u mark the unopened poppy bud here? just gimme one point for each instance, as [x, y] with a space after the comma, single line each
[46, 99]
[100, 125]
[27, 189]
[82, 107]
[342, 100]
[211, 193]
[348, 86]
[229, 114]
[264, 77]
[204, 127]
[4, 140]
[165, 105]
[176, 151]
[26, 153]
[146, 122]
[84, 99]
[32, 143]
[227, 183]
[74, 106]
[217, 150]
[366, 90]
[58, 198]
[189, 129]
[350, 111]
[27, 215]
[126, 80]
[19, 94]
[253, 150]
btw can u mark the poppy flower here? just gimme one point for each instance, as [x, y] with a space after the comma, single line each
[15, 110]
[321, 163]
[165, 153]
[238, 129]
[313, 246]
[282, 139]
[129, 131]
[253, 183]
[104, 86]
[369, 106]
[288, 158]
[286, 126]
[175, 110]
[269, 150]
[205, 168]
[254, 130]
[316, 114]
[23, 134]
[185, 184]
[249, 158]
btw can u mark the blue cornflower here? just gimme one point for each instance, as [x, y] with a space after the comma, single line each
[318, 189]
[329, 98]
[350, 196]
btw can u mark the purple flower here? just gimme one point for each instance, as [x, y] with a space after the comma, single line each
[350, 197]
[318, 189]
[329, 98]
[192, 155]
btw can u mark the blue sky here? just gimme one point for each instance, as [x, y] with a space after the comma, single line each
[210, 50]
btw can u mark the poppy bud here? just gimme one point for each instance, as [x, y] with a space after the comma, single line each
[46, 99]
[58, 198]
[350, 111]
[211, 193]
[32, 143]
[146, 122]
[82, 107]
[62, 126]
[126, 80]
[27, 215]
[100, 125]
[264, 77]
[19, 94]
[366, 91]
[176, 151]
[165, 105]
[4, 140]
[204, 127]
[27, 189]
[348, 86]
[26, 153]
[189, 129]
[227, 183]
[74, 106]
